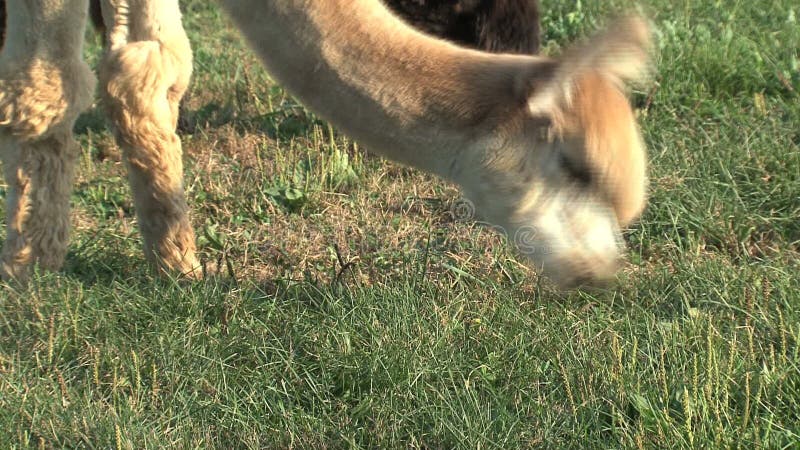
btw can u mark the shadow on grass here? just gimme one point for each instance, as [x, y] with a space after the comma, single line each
[92, 266]
[285, 123]
[92, 120]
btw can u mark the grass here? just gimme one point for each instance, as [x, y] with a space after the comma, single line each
[356, 313]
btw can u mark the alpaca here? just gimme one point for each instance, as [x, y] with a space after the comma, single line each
[510, 26]
[548, 149]
[494, 25]
[45, 84]
[500, 26]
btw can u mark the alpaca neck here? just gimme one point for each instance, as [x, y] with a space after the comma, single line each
[410, 97]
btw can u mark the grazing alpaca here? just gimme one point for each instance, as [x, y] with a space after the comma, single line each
[502, 25]
[546, 148]
[510, 26]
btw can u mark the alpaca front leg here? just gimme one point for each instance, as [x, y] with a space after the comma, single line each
[17, 252]
[39, 176]
[144, 74]
[44, 86]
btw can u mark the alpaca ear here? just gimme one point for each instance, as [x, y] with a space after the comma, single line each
[620, 54]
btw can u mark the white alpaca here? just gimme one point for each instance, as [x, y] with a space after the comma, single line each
[548, 149]
[45, 84]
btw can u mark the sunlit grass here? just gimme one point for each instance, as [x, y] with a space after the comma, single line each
[352, 311]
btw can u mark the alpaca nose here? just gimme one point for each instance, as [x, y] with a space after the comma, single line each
[592, 281]
[587, 273]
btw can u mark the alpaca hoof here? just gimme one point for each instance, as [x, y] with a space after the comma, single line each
[10, 272]
[186, 269]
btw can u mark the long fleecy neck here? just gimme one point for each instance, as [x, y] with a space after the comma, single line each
[397, 91]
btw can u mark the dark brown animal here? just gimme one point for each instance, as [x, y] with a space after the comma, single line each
[2, 22]
[510, 26]
[500, 26]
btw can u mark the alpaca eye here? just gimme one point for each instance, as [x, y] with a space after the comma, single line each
[577, 170]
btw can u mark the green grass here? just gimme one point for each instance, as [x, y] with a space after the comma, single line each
[355, 313]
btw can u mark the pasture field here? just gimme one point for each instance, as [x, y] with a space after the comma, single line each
[352, 309]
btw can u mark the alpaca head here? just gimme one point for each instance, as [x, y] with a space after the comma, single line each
[569, 171]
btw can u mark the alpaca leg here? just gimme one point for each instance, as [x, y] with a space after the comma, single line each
[144, 74]
[44, 85]
[39, 175]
